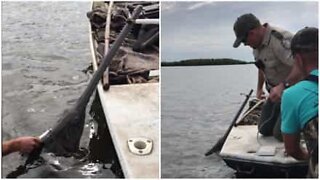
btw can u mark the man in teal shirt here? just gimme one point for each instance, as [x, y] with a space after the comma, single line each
[299, 103]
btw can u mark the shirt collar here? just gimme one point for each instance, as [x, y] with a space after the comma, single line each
[267, 35]
[315, 72]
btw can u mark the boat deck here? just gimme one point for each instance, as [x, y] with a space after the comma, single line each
[244, 142]
[138, 118]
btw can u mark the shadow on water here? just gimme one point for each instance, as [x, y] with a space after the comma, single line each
[98, 161]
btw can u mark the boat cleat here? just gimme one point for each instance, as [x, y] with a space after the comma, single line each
[140, 146]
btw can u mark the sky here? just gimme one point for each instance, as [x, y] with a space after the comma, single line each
[205, 29]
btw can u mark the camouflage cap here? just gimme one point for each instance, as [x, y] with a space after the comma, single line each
[242, 26]
[305, 40]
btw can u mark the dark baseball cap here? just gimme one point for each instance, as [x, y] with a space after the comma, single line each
[305, 40]
[242, 26]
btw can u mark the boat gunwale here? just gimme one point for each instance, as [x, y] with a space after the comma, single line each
[124, 163]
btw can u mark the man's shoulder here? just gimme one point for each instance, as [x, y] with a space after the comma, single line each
[293, 91]
[280, 37]
[298, 89]
[280, 33]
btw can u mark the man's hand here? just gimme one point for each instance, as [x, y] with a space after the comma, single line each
[293, 147]
[27, 144]
[22, 144]
[276, 93]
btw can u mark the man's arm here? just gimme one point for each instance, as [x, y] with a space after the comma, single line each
[21, 144]
[293, 77]
[290, 126]
[284, 54]
[293, 148]
[260, 93]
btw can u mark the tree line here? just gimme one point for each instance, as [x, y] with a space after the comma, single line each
[204, 62]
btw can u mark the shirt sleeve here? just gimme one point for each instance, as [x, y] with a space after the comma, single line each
[289, 117]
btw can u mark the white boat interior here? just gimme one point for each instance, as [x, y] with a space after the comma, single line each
[244, 142]
[139, 118]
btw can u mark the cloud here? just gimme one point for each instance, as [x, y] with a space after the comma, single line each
[205, 29]
[200, 4]
[168, 6]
